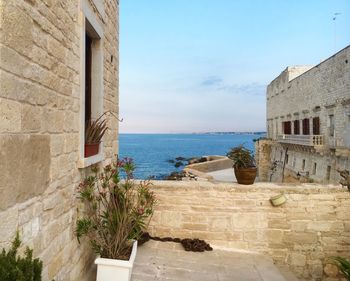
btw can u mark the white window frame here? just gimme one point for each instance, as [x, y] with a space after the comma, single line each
[91, 24]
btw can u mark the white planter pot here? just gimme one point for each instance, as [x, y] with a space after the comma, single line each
[116, 270]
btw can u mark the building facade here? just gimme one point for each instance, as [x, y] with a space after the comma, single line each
[308, 121]
[58, 67]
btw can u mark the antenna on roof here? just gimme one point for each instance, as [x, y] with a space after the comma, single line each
[335, 15]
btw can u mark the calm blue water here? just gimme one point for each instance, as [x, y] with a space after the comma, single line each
[151, 151]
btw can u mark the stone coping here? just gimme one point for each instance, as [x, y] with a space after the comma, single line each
[304, 188]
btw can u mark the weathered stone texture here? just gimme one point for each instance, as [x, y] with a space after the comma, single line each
[309, 92]
[24, 165]
[40, 92]
[312, 226]
[263, 159]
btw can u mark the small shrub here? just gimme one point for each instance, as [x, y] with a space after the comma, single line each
[117, 209]
[15, 268]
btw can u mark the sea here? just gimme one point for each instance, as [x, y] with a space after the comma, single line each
[152, 153]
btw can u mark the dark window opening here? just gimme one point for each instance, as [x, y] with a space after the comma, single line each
[306, 126]
[314, 170]
[296, 127]
[303, 165]
[88, 64]
[316, 126]
[331, 125]
[287, 127]
[329, 172]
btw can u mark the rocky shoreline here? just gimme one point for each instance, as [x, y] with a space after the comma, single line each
[182, 162]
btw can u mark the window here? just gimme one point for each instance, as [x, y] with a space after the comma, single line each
[329, 172]
[316, 126]
[314, 169]
[331, 125]
[287, 127]
[306, 126]
[93, 73]
[303, 165]
[296, 127]
[91, 77]
[88, 64]
[287, 159]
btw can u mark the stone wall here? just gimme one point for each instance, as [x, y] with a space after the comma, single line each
[213, 164]
[313, 92]
[40, 125]
[313, 225]
[263, 159]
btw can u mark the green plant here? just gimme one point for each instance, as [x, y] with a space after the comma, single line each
[117, 209]
[343, 264]
[242, 157]
[16, 268]
[95, 129]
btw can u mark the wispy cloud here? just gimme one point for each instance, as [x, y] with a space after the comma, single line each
[245, 89]
[217, 83]
[211, 81]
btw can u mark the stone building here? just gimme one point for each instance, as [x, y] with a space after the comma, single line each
[308, 121]
[59, 66]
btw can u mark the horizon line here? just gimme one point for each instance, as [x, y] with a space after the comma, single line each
[190, 133]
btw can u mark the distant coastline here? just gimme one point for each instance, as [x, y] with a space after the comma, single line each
[232, 133]
[195, 133]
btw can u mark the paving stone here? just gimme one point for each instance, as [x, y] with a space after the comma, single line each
[157, 261]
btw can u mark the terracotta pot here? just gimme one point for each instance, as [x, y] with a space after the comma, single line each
[91, 149]
[245, 175]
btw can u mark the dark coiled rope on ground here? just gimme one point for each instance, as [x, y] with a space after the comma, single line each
[193, 245]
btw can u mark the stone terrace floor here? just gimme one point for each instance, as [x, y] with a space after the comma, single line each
[167, 261]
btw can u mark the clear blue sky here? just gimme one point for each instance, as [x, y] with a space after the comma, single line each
[203, 65]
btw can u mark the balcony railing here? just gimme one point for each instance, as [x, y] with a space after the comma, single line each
[307, 140]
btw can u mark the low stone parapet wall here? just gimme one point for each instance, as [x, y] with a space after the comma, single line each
[311, 226]
[214, 163]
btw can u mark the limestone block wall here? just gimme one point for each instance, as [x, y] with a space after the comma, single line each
[41, 57]
[308, 92]
[263, 159]
[318, 92]
[313, 225]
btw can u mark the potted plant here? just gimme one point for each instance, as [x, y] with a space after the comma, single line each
[94, 131]
[117, 212]
[243, 164]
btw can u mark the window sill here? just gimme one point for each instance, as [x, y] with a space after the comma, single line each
[86, 162]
